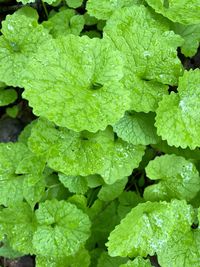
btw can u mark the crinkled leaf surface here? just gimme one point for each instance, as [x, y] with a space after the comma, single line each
[81, 83]
[67, 151]
[7, 96]
[103, 9]
[85, 153]
[62, 229]
[106, 261]
[182, 249]
[137, 128]
[75, 184]
[191, 36]
[19, 226]
[19, 42]
[64, 22]
[145, 95]
[177, 178]
[81, 258]
[148, 45]
[147, 228]
[137, 262]
[11, 154]
[182, 11]
[120, 160]
[181, 113]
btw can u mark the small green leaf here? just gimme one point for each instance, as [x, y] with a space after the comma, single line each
[137, 128]
[110, 192]
[75, 184]
[178, 115]
[191, 36]
[64, 22]
[177, 178]
[74, 3]
[7, 96]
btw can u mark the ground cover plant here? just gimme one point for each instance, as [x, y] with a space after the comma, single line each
[100, 133]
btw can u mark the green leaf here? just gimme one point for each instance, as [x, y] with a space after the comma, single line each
[150, 49]
[110, 192]
[7, 252]
[177, 119]
[81, 258]
[12, 111]
[120, 160]
[137, 128]
[137, 262]
[186, 153]
[104, 9]
[19, 225]
[64, 22]
[127, 201]
[100, 214]
[11, 154]
[106, 261]
[87, 153]
[74, 3]
[89, 86]
[33, 192]
[20, 40]
[177, 178]
[75, 184]
[185, 12]
[182, 249]
[62, 229]
[90, 20]
[191, 36]
[147, 228]
[7, 96]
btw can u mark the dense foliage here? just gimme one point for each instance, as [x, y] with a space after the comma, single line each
[106, 171]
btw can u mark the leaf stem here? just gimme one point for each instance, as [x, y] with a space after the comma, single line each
[45, 8]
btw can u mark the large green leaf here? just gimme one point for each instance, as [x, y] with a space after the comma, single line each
[84, 153]
[147, 228]
[81, 83]
[22, 36]
[19, 225]
[147, 43]
[62, 229]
